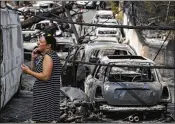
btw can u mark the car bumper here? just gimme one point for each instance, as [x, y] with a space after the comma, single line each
[109, 108]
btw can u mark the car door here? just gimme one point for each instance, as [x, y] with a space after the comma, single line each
[81, 68]
[94, 83]
[93, 59]
[93, 56]
[88, 83]
[69, 69]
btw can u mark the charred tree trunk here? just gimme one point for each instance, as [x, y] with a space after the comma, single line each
[29, 22]
[133, 14]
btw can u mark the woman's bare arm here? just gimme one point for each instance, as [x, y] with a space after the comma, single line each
[32, 64]
[47, 69]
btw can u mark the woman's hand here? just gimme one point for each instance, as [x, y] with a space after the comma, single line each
[25, 68]
[35, 53]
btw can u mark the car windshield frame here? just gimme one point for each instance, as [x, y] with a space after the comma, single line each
[106, 32]
[105, 16]
[137, 75]
[115, 50]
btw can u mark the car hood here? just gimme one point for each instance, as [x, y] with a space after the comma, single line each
[132, 93]
[75, 94]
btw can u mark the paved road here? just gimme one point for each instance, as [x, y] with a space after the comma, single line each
[88, 15]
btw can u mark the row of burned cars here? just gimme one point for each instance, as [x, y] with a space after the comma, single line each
[99, 75]
[104, 75]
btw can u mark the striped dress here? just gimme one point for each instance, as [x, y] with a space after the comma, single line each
[46, 94]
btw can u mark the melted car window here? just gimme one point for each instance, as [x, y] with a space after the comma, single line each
[107, 32]
[129, 74]
[100, 72]
[114, 52]
[105, 16]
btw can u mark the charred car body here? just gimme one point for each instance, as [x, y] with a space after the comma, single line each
[136, 91]
[74, 105]
[127, 89]
[63, 46]
[91, 52]
[102, 14]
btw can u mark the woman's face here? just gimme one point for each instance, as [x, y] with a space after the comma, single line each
[42, 44]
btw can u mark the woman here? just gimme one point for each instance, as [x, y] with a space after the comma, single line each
[46, 90]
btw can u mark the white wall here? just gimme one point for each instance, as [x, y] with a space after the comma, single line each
[132, 36]
[148, 50]
[12, 55]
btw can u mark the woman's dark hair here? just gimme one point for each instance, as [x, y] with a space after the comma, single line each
[51, 40]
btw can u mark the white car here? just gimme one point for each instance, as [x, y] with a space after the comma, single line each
[63, 45]
[21, 17]
[86, 4]
[114, 21]
[36, 28]
[24, 9]
[95, 39]
[82, 3]
[27, 32]
[106, 21]
[45, 5]
[102, 14]
[41, 25]
[107, 32]
[29, 46]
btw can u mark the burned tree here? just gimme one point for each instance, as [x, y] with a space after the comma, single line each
[29, 22]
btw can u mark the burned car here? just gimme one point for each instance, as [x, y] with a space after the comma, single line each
[63, 46]
[108, 32]
[74, 105]
[96, 39]
[102, 14]
[127, 88]
[91, 52]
